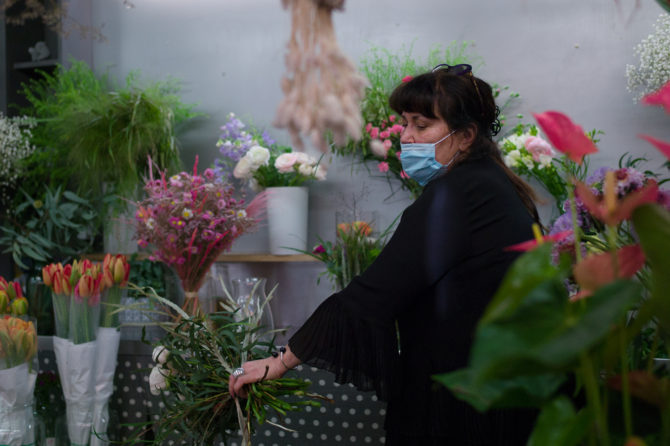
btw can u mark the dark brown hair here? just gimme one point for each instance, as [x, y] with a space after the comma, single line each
[461, 100]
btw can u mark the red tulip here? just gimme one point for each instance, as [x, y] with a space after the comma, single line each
[659, 97]
[567, 137]
[663, 146]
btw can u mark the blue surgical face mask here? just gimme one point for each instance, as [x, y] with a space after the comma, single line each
[418, 160]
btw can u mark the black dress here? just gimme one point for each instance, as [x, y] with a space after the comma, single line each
[435, 277]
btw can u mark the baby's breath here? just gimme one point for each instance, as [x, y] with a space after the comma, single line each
[654, 68]
[15, 146]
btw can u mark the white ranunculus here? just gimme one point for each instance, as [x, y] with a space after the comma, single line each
[157, 381]
[160, 354]
[258, 156]
[243, 169]
[284, 162]
[320, 173]
[512, 158]
[528, 161]
[378, 149]
[545, 160]
[303, 158]
[306, 170]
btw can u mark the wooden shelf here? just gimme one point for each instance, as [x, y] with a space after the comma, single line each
[235, 258]
[36, 64]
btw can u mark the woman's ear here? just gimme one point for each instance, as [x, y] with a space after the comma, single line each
[468, 135]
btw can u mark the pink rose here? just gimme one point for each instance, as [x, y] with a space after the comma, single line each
[368, 127]
[284, 162]
[537, 146]
[392, 118]
[387, 144]
[374, 132]
[383, 166]
[404, 175]
[396, 128]
[385, 134]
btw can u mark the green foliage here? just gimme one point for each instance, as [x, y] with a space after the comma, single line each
[98, 134]
[59, 226]
[532, 338]
[146, 274]
[201, 354]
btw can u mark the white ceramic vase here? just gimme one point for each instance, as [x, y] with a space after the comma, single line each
[287, 209]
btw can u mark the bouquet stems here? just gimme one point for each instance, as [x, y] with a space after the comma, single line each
[61, 304]
[109, 311]
[84, 319]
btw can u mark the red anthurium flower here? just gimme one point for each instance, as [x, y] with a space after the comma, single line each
[663, 146]
[609, 209]
[645, 386]
[539, 239]
[565, 135]
[407, 78]
[659, 97]
[598, 270]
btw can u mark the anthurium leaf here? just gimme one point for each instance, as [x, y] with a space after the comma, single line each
[527, 272]
[559, 425]
[522, 358]
[520, 391]
[547, 335]
[652, 224]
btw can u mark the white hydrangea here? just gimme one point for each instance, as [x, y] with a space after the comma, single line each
[654, 68]
[15, 146]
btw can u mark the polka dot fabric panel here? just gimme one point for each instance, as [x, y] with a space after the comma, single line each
[354, 418]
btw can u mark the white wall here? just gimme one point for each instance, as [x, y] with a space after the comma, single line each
[567, 55]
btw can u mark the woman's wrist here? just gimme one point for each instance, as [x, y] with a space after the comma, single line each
[286, 358]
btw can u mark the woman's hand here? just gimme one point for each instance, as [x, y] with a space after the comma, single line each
[254, 371]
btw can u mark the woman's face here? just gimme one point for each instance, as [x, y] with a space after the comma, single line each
[420, 129]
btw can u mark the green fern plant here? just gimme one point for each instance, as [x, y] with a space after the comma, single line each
[100, 135]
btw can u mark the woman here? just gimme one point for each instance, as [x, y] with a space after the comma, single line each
[434, 278]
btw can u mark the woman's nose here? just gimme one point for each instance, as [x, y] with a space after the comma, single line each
[406, 136]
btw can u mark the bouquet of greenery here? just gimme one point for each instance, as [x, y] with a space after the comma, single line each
[384, 70]
[256, 158]
[537, 335]
[193, 363]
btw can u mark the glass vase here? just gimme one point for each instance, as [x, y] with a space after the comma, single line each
[251, 301]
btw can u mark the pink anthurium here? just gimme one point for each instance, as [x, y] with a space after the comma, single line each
[611, 210]
[566, 136]
[659, 97]
[532, 244]
[663, 146]
[598, 270]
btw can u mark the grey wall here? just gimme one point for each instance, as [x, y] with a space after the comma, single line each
[566, 55]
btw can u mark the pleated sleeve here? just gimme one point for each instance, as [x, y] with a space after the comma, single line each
[353, 332]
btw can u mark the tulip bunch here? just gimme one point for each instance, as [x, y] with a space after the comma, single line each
[18, 341]
[11, 298]
[76, 292]
[115, 272]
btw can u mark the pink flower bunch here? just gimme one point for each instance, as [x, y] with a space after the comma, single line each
[385, 141]
[189, 219]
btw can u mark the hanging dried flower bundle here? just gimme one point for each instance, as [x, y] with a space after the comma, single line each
[322, 88]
